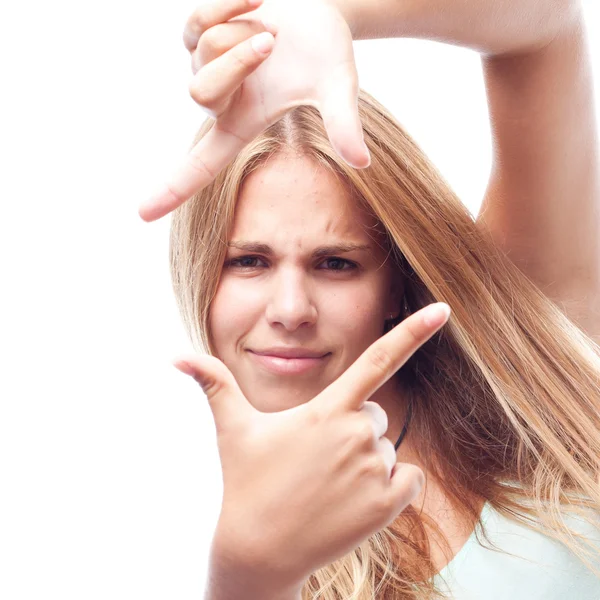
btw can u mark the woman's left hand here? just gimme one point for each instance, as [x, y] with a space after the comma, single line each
[312, 63]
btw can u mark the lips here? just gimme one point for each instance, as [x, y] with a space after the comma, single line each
[288, 366]
[283, 352]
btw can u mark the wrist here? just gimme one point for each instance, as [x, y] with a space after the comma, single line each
[351, 11]
[239, 574]
[486, 26]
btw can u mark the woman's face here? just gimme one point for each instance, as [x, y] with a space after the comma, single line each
[333, 303]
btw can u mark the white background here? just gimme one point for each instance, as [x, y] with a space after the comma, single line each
[109, 476]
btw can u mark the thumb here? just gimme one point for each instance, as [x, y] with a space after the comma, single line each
[338, 105]
[203, 163]
[229, 406]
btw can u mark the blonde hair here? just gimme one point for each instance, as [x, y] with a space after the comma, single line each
[506, 397]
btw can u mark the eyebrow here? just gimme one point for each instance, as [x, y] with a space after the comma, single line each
[320, 251]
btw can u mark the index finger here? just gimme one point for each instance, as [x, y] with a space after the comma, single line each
[211, 14]
[383, 358]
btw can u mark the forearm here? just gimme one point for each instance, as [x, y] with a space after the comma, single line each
[225, 586]
[230, 579]
[228, 590]
[491, 27]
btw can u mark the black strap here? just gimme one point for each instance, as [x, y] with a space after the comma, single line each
[406, 423]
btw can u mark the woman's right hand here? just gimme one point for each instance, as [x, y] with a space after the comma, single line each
[310, 62]
[305, 486]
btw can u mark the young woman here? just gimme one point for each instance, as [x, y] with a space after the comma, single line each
[318, 286]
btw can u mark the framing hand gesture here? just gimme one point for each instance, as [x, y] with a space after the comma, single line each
[304, 486]
[247, 80]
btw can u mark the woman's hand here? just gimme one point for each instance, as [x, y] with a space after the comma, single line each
[305, 486]
[311, 63]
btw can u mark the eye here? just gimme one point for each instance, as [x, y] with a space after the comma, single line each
[238, 262]
[335, 259]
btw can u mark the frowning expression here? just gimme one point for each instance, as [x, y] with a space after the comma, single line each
[305, 270]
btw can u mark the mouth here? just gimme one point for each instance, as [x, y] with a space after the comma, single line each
[288, 366]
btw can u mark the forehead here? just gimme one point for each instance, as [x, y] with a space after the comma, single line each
[292, 201]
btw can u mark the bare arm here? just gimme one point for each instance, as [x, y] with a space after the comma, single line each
[492, 27]
[229, 579]
[542, 204]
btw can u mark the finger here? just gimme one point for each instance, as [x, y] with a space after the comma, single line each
[383, 358]
[222, 38]
[378, 416]
[405, 485]
[204, 162]
[213, 86]
[229, 406]
[387, 451]
[211, 154]
[338, 105]
[212, 13]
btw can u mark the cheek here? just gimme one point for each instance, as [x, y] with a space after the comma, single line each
[226, 317]
[233, 312]
[359, 312]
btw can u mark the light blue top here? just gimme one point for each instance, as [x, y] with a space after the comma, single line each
[541, 568]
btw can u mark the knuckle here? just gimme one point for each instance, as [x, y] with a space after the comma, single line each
[381, 360]
[171, 190]
[196, 161]
[364, 436]
[198, 22]
[385, 419]
[411, 480]
[210, 386]
[379, 468]
[229, 132]
[243, 58]
[415, 479]
[373, 467]
[201, 94]
[369, 466]
[212, 43]
[413, 332]
[379, 415]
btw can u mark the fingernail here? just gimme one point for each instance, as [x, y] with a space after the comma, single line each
[436, 314]
[193, 372]
[263, 42]
[155, 200]
[269, 26]
[184, 367]
[368, 154]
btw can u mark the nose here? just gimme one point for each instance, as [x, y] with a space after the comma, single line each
[290, 302]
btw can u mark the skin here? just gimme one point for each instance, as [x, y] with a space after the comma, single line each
[312, 64]
[544, 189]
[290, 299]
[294, 300]
[536, 74]
[316, 446]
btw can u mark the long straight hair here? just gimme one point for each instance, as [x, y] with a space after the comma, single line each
[506, 397]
